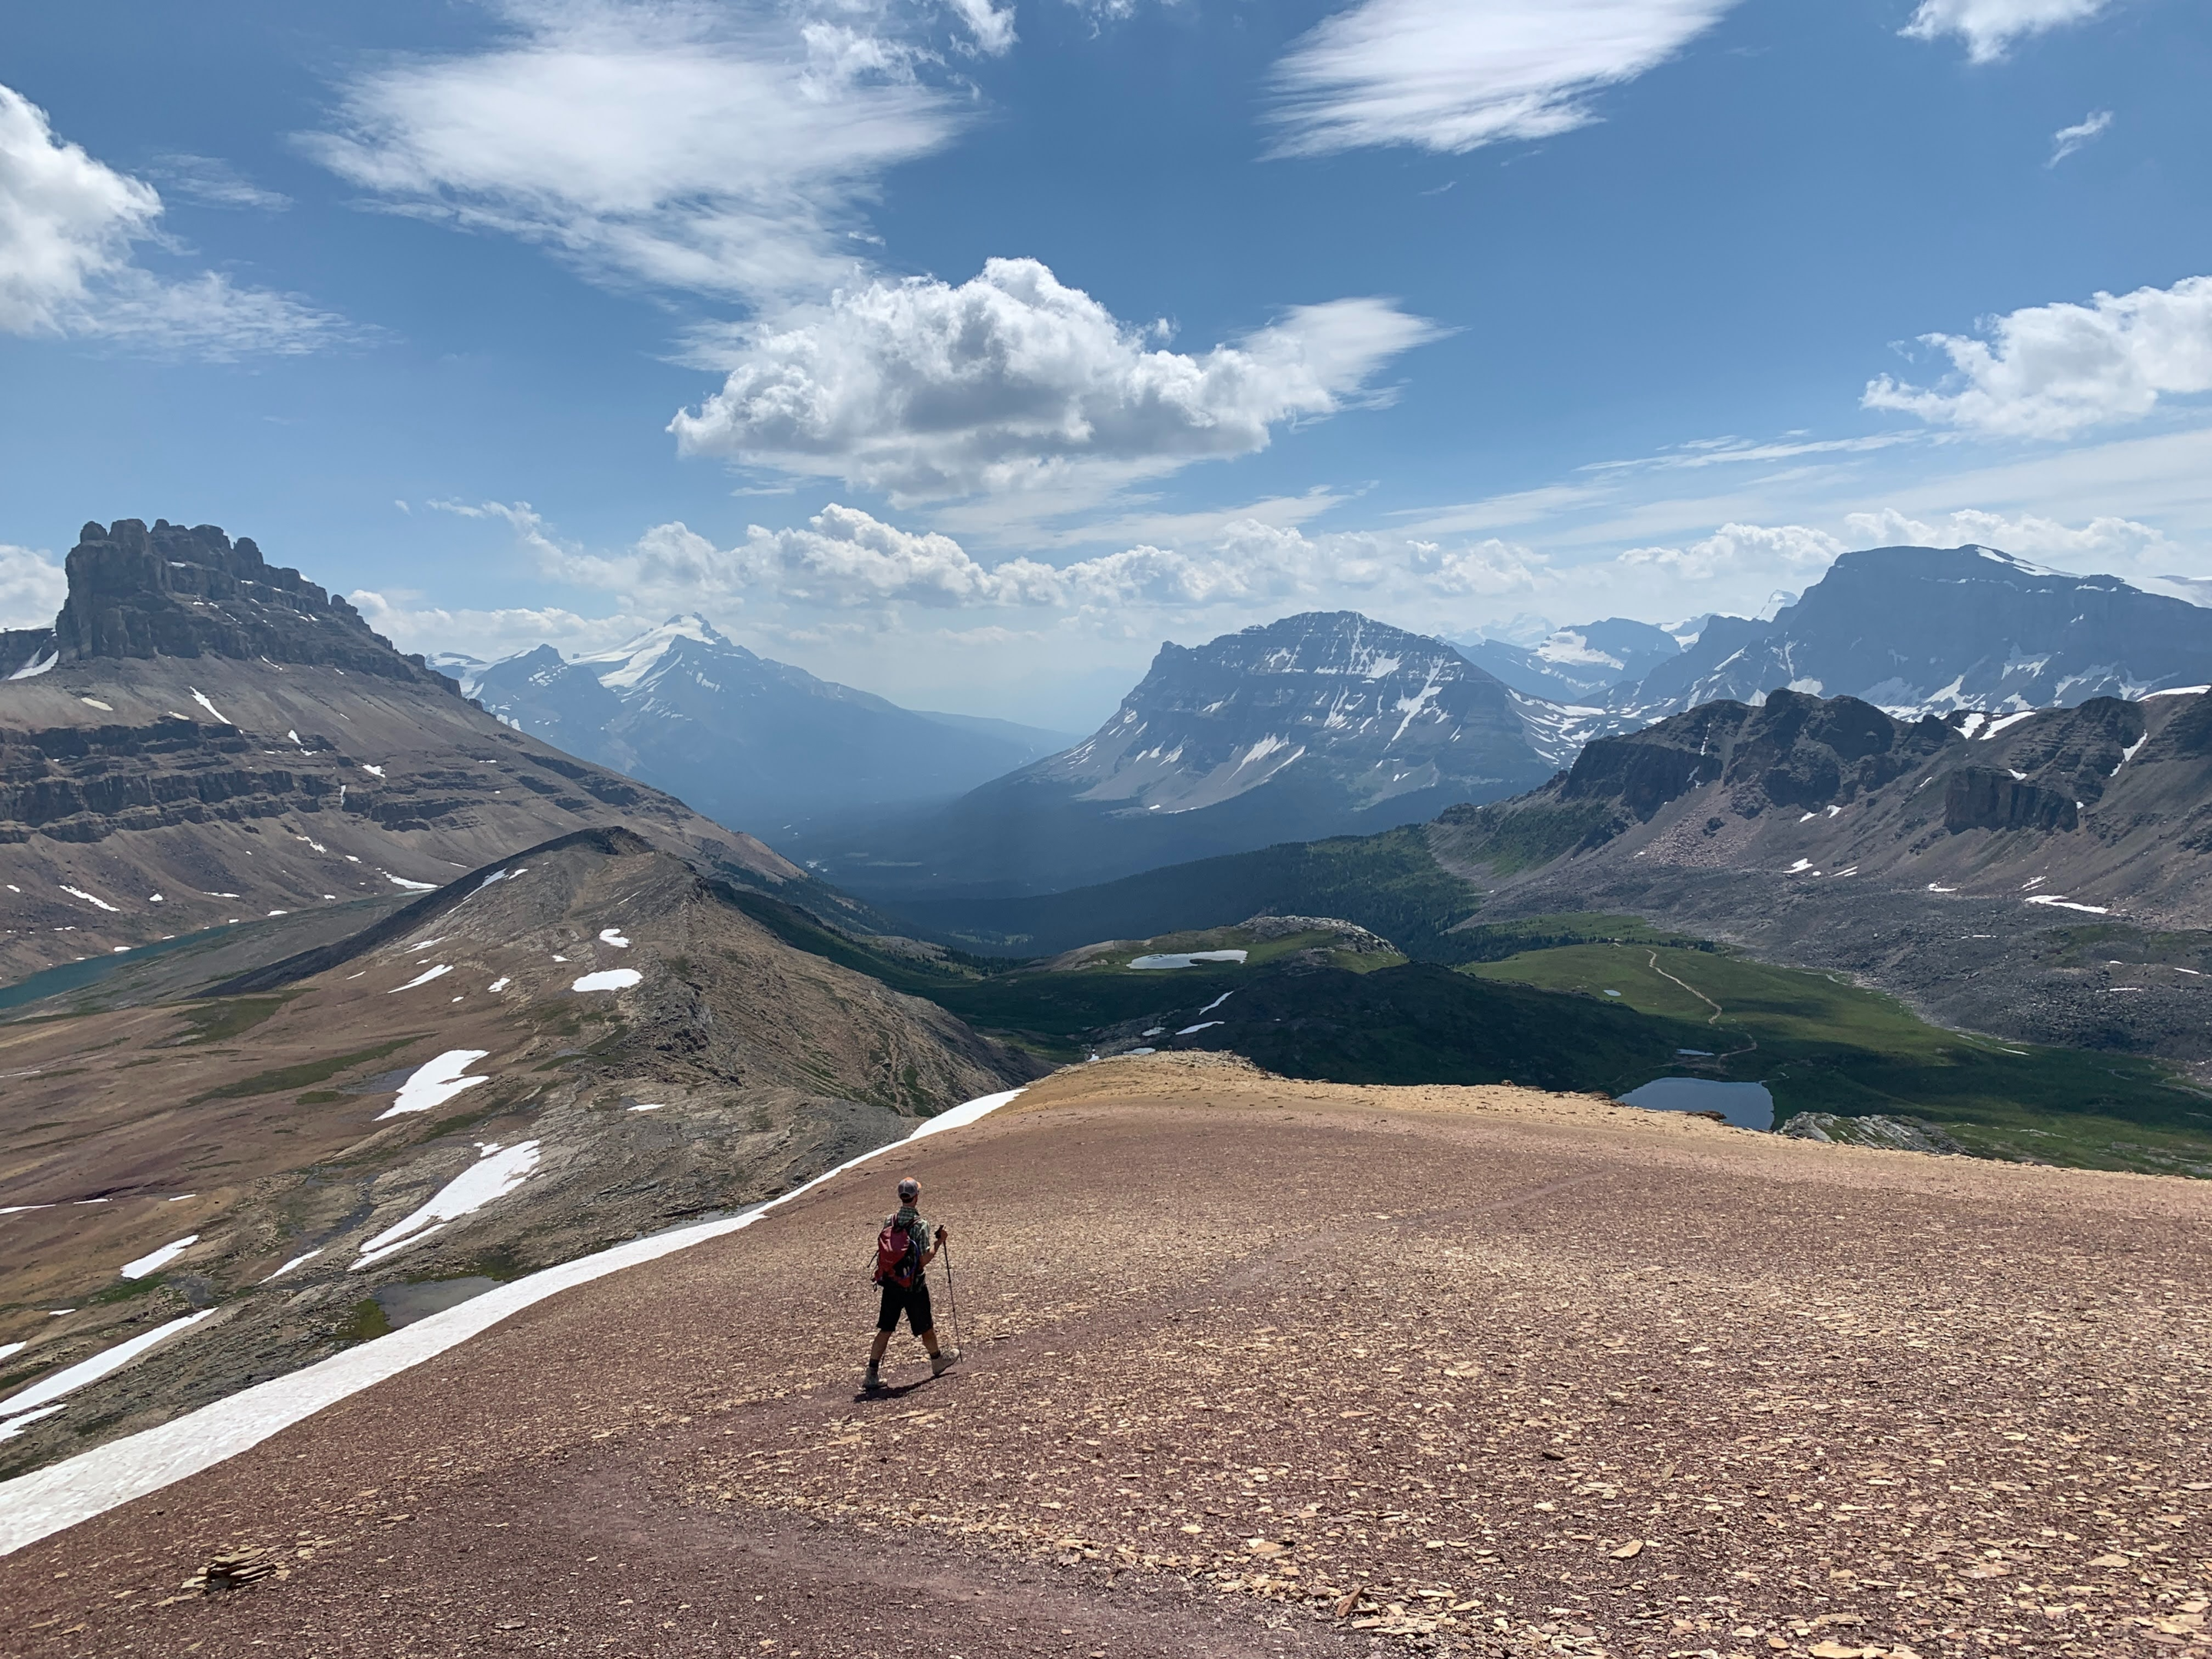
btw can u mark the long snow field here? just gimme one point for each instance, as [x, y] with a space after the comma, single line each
[38, 1505]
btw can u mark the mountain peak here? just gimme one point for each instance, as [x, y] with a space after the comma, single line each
[1930, 629]
[173, 592]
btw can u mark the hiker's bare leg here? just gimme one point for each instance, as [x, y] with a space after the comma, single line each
[929, 1341]
[876, 1353]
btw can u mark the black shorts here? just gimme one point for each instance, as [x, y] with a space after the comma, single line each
[914, 1303]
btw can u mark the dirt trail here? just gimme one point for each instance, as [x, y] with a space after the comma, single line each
[1489, 1372]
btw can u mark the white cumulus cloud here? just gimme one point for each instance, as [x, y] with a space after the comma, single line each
[1991, 26]
[1014, 381]
[846, 561]
[2100, 543]
[1767, 551]
[2050, 371]
[31, 588]
[69, 226]
[1451, 75]
[723, 150]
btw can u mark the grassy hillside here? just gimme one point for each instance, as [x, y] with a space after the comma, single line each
[1822, 1044]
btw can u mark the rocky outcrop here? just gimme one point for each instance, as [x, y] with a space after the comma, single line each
[1977, 798]
[1793, 752]
[170, 591]
[1897, 1134]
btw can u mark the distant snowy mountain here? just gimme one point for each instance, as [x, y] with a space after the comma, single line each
[1575, 665]
[1317, 725]
[743, 739]
[1927, 631]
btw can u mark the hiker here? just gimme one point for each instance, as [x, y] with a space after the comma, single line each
[907, 1245]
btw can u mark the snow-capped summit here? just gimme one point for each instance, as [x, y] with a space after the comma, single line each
[743, 738]
[1322, 724]
[626, 665]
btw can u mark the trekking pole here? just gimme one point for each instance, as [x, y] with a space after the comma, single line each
[952, 1296]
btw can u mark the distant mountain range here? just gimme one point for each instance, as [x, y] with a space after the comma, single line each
[1317, 725]
[746, 740]
[1578, 665]
[1927, 631]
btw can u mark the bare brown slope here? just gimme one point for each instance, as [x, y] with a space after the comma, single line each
[269, 1111]
[1260, 1368]
[204, 739]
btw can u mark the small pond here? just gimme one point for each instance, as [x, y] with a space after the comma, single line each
[404, 1304]
[1188, 959]
[1746, 1105]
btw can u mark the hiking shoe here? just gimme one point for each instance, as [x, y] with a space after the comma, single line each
[941, 1363]
[871, 1383]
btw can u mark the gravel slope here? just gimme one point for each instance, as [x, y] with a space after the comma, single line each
[1261, 1367]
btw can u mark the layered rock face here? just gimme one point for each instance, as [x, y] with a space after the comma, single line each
[171, 592]
[202, 738]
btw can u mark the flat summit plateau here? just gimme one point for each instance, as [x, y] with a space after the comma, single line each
[1260, 1367]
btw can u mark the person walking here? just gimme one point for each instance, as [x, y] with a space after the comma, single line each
[905, 1250]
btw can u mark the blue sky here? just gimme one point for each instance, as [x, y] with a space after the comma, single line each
[963, 351]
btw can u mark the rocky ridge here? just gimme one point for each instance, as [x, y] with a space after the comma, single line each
[202, 739]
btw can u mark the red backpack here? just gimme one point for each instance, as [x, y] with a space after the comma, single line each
[898, 1256]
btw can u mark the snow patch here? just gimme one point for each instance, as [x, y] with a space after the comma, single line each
[373, 771]
[90, 898]
[1801, 864]
[200, 697]
[295, 1261]
[2003, 721]
[424, 978]
[31, 671]
[38, 1505]
[107, 707]
[613, 936]
[656, 1107]
[91, 1370]
[1217, 1002]
[396, 881]
[495, 1173]
[1203, 1026]
[153, 1261]
[1188, 958]
[609, 979]
[2171, 691]
[436, 1082]
[2068, 904]
[497, 985]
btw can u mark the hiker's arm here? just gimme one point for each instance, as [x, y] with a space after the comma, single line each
[936, 1243]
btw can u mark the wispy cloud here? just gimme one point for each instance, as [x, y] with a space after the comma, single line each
[719, 150]
[70, 228]
[1453, 75]
[2050, 371]
[1015, 382]
[1990, 28]
[2067, 140]
[213, 182]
